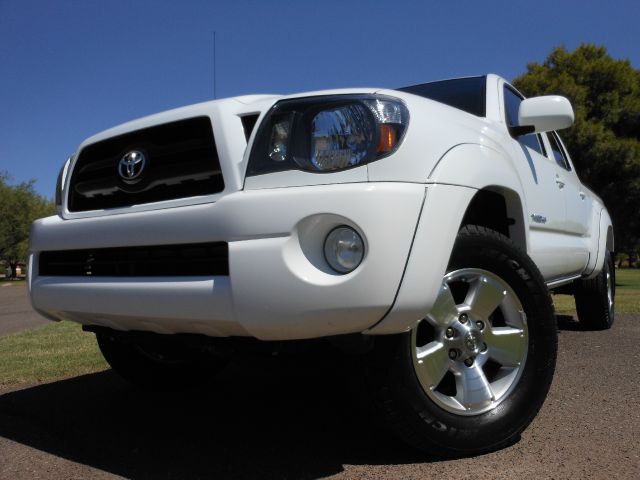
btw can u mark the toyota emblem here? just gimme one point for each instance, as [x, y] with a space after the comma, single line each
[132, 165]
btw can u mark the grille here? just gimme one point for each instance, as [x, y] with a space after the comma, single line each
[199, 259]
[180, 161]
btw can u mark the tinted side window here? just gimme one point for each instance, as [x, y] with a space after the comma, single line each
[534, 142]
[557, 151]
[511, 105]
[468, 94]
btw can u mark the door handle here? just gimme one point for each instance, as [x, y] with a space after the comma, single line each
[582, 195]
[559, 182]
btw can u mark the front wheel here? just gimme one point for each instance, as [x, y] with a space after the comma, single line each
[473, 374]
[157, 362]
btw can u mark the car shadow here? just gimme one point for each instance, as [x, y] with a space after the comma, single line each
[569, 323]
[268, 418]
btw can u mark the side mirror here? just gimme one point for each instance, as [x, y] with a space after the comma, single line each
[543, 114]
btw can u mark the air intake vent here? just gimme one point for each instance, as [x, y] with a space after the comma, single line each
[170, 161]
[199, 259]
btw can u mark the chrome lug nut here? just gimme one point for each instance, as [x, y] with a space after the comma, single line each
[453, 354]
[468, 362]
[484, 347]
[449, 332]
[480, 324]
[463, 318]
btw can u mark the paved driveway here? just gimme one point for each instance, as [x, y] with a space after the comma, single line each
[295, 419]
[15, 310]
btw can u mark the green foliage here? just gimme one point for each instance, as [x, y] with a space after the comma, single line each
[604, 142]
[20, 205]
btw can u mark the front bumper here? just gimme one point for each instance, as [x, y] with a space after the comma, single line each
[279, 286]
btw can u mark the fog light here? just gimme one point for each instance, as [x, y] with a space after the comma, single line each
[343, 249]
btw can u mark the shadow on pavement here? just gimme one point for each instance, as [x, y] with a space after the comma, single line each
[267, 419]
[569, 322]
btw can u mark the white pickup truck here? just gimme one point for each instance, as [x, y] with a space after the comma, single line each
[420, 228]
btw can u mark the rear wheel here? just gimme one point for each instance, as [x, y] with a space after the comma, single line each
[595, 298]
[157, 362]
[473, 374]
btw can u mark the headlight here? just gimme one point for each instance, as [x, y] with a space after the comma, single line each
[325, 134]
[60, 182]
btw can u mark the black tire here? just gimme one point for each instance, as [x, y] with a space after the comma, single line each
[595, 298]
[157, 362]
[401, 401]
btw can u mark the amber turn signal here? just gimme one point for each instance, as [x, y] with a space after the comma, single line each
[388, 138]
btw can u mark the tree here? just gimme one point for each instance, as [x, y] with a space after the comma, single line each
[604, 142]
[20, 205]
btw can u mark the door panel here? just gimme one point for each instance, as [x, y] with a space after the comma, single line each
[545, 197]
[577, 198]
[546, 215]
[556, 254]
[578, 205]
[555, 243]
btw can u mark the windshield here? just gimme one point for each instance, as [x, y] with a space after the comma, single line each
[468, 94]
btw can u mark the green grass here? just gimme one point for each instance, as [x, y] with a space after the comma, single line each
[47, 353]
[13, 283]
[60, 350]
[627, 294]
[628, 279]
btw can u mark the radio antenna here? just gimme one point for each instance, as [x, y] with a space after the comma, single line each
[214, 65]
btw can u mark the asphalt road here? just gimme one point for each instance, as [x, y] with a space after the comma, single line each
[15, 310]
[296, 419]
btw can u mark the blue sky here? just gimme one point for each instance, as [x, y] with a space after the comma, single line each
[69, 69]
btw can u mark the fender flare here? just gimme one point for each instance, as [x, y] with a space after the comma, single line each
[453, 183]
[497, 173]
[603, 241]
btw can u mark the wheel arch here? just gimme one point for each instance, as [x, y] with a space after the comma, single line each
[610, 241]
[460, 184]
[602, 241]
[487, 170]
[498, 208]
